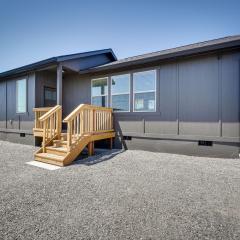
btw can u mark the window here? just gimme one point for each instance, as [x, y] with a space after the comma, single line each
[50, 97]
[120, 92]
[21, 96]
[100, 92]
[144, 91]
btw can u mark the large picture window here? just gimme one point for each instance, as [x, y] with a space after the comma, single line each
[144, 91]
[21, 96]
[120, 90]
[100, 92]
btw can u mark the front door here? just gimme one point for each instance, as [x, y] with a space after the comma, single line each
[50, 97]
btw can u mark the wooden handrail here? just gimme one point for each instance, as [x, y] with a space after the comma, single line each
[49, 113]
[42, 109]
[82, 107]
[49, 120]
[87, 119]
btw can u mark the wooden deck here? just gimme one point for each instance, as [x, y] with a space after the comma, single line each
[85, 125]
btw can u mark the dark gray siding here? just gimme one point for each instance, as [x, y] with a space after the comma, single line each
[76, 90]
[3, 104]
[230, 77]
[27, 120]
[11, 123]
[198, 97]
[10, 120]
[167, 122]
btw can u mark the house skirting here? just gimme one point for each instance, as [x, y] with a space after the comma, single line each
[224, 149]
[15, 136]
[178, 146]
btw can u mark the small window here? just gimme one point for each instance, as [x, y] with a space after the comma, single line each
[21, 96]
[120, 90]
[144, 91]
[100, 92]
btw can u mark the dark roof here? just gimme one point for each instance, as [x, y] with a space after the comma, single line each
[196, 48]
[55, 60]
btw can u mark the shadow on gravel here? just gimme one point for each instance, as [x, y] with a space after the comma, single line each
[101, 155]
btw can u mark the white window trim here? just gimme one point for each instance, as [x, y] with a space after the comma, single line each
[147, 91]
[101, 95]
[17, 96]
[129, 93]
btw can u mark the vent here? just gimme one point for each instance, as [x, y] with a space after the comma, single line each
[22, 135]
[127, 138]
[205, 143]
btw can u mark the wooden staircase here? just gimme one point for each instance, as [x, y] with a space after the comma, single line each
[85, 125]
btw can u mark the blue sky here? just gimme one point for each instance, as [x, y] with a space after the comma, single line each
[32, 30]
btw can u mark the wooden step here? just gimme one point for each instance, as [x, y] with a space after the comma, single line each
[62, 150]
[50, 158]
[64, 136]
[59, 143]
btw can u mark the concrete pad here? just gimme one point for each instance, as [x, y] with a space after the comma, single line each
[43, 165]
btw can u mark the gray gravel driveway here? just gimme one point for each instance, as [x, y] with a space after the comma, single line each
[119, 195]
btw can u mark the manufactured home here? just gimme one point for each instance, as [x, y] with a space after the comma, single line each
[182, 100]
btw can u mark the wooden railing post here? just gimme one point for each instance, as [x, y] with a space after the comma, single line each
[36, 118]
[44, 137]
[59, 123]
[81, 122]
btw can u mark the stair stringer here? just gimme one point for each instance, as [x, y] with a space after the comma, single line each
[76, 149]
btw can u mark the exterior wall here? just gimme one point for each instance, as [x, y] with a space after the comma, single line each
[3, 107]
[12, 123]
[197, 99]
[76, 90]
[9, 118]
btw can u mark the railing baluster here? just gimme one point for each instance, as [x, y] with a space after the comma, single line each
[73, 130]
[44, 138]
[89, 123]
[69, 136]
[78, 125]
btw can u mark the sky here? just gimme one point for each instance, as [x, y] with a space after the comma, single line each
[33, 30]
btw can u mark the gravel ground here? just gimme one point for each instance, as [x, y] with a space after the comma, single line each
[119, 195]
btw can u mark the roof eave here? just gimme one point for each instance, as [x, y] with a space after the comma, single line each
[189, 52]
[29, 68]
